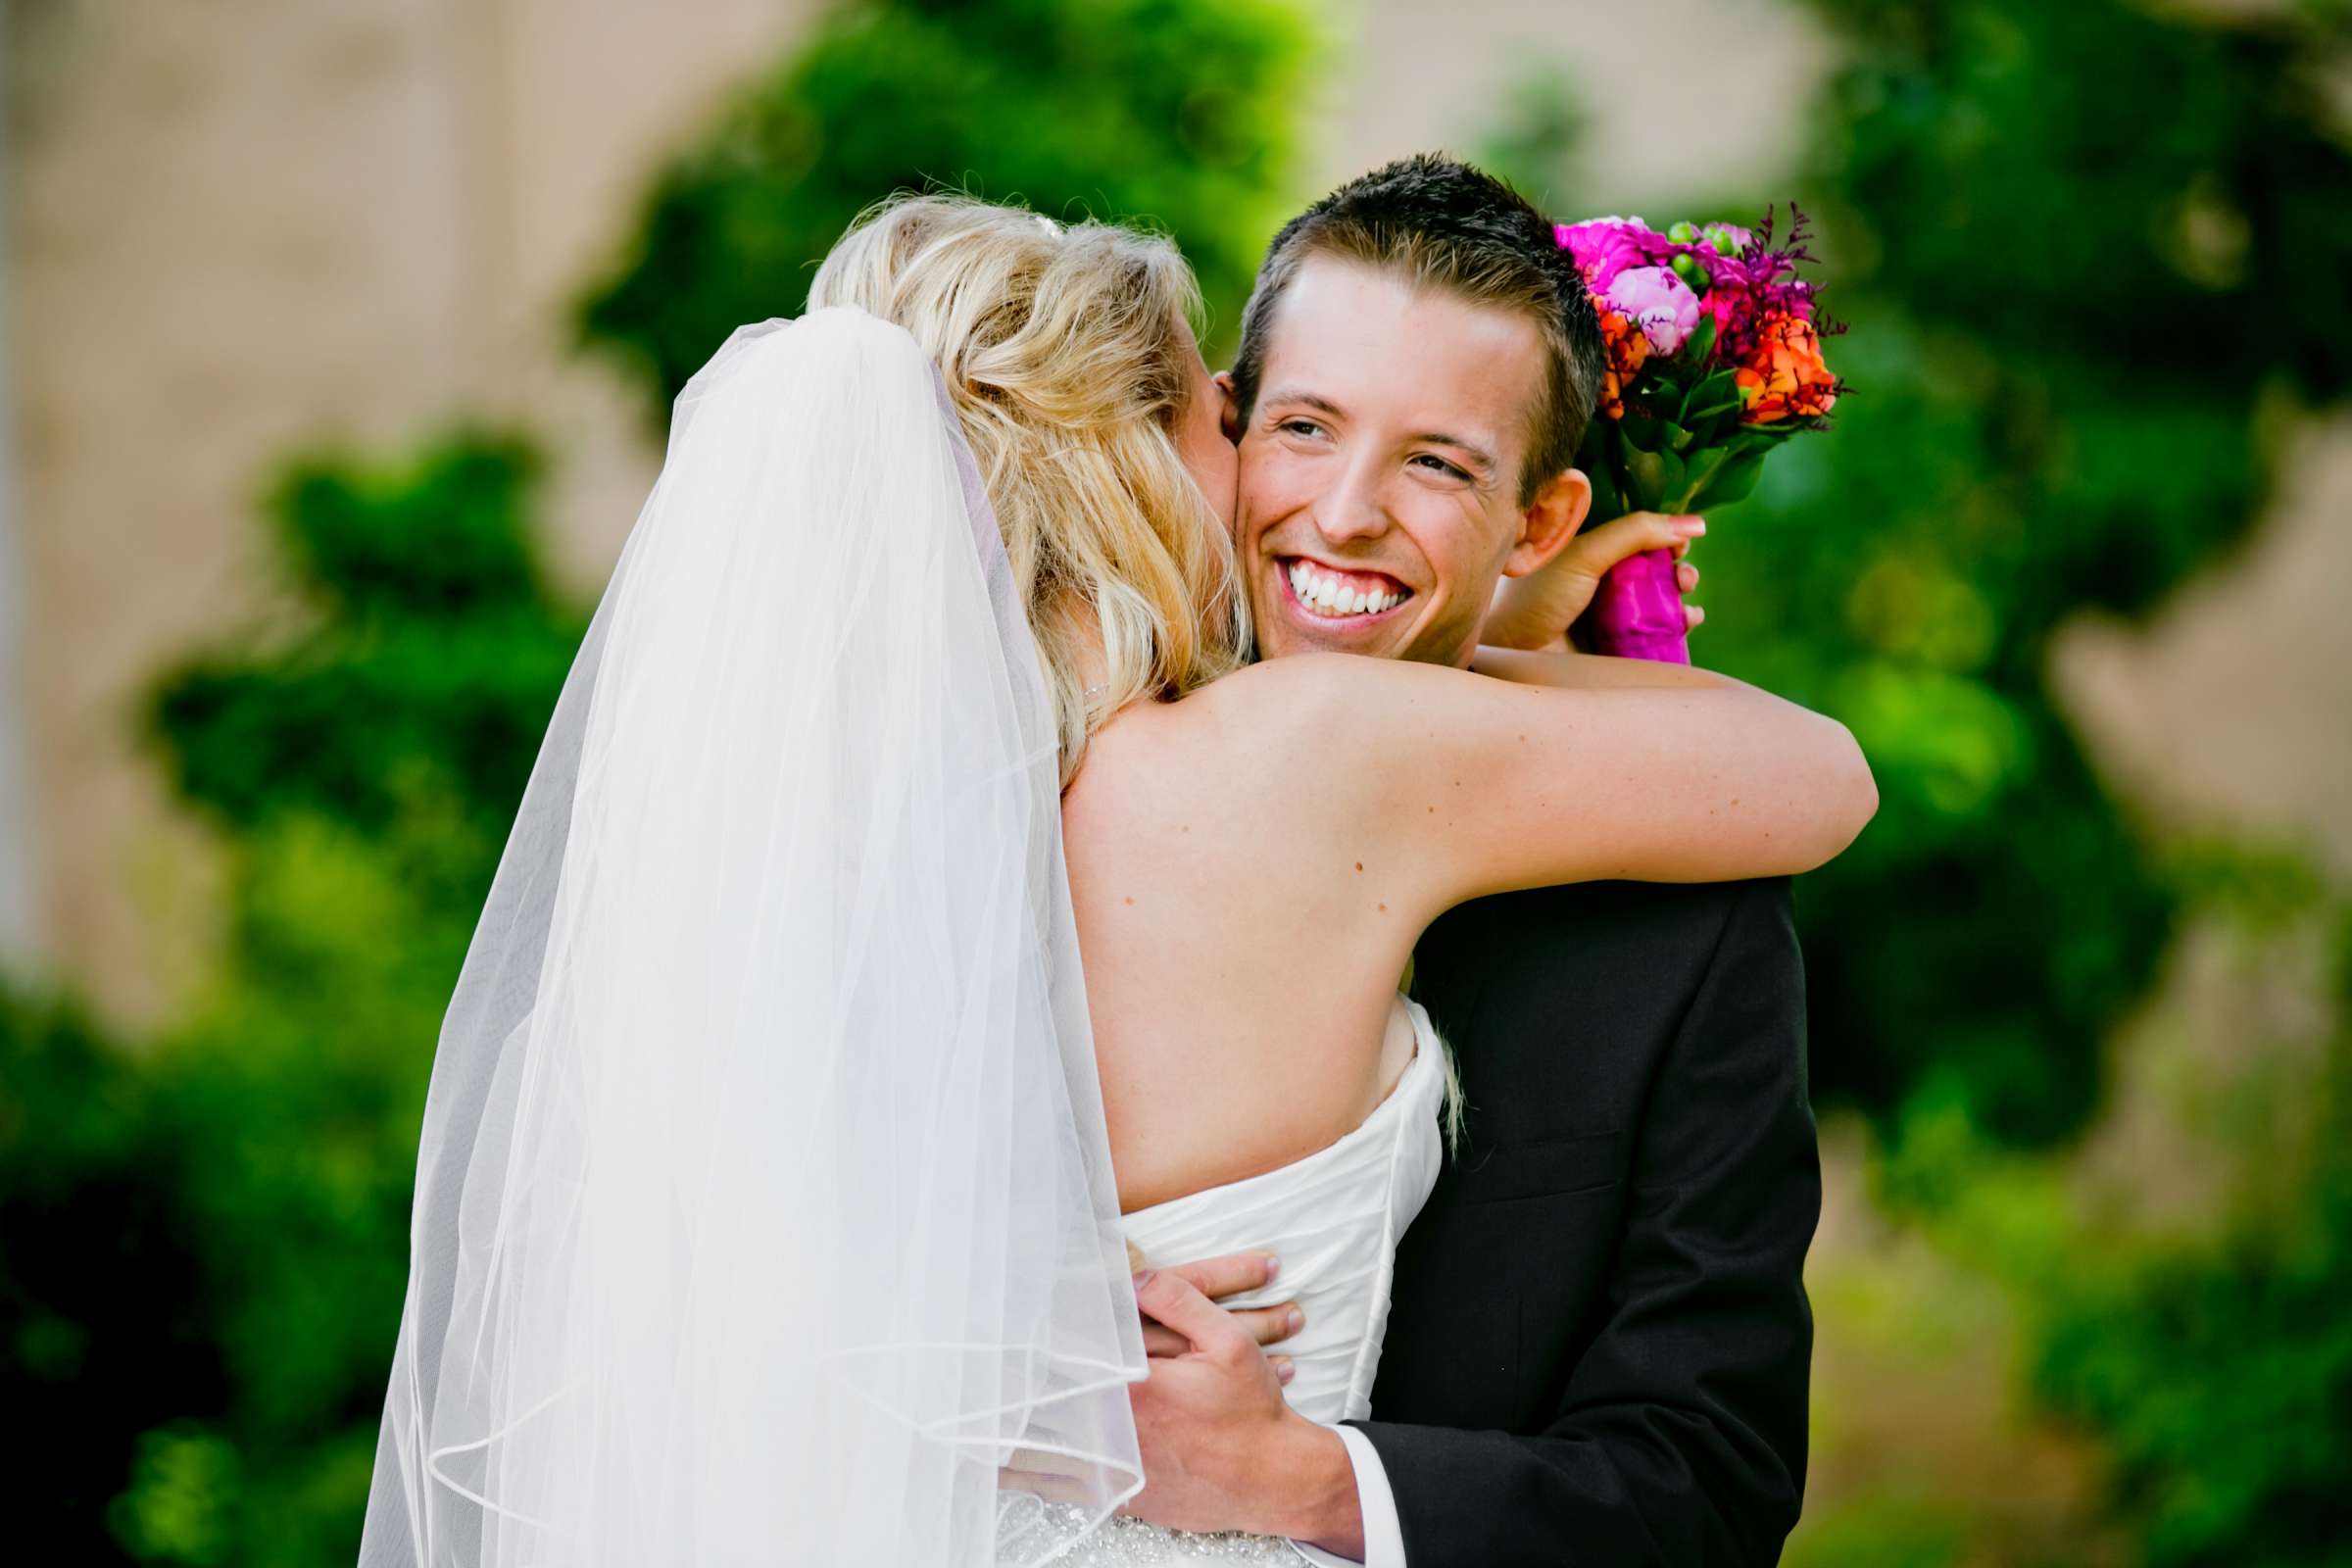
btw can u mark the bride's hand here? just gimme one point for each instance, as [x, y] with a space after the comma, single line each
[1221, 1449]
[1535, 612]
[1220, 1279]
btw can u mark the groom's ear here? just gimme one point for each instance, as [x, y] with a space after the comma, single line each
[1228, 419]
[1549, 521]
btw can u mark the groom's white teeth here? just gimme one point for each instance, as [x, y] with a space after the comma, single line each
[1327, 596]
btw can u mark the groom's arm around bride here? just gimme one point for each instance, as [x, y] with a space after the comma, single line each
[1599, 1345]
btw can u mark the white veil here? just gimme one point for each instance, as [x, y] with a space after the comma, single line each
[763, 1207]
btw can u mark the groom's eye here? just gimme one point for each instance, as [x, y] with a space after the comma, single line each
[1300, 427]
[1450, 470]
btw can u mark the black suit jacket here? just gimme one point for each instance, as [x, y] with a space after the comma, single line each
[1599, 1346]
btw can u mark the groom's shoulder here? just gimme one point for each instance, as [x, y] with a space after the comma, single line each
[1601, 940]
[1680, 915]
[1622, 964]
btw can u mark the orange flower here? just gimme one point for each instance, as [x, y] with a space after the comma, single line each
[1786, 374]
[1629, 351]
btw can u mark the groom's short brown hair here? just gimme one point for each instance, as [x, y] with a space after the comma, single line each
[1439, 224]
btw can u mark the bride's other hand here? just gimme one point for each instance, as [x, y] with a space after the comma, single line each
[1220, 1279]
[1535, 612]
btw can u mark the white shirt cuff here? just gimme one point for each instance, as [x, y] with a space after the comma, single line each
[1383, 1536]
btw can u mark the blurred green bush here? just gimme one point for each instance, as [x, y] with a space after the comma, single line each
[205, 1237]
[2220, 1376]
[1180, 115]
[2217, 1365]
[2204, 1345]
[2092, 254]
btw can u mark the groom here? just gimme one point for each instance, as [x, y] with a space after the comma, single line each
[1599, 1342]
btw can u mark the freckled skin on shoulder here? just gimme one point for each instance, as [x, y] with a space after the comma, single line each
[1238, 958]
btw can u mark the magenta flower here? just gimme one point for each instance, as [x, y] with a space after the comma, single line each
[1607, 246]
[1658, 301]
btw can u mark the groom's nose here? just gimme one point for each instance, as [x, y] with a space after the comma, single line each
[1352, 509]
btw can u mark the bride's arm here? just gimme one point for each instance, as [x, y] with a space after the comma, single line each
[1592, 671]
[1658, 774]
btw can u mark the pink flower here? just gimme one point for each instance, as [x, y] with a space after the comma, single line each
[1658, 301]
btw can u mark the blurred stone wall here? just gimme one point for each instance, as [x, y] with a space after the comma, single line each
[1417, 77]
[2232, 710]
[21, 880]
[244, 225]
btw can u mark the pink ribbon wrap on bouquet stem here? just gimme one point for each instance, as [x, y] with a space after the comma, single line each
[1637, 613]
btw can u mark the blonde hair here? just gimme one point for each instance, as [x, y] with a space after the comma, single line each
[1066, 355]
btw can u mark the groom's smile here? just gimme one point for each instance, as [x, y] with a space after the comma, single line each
[1325, 593]
[1379, 469]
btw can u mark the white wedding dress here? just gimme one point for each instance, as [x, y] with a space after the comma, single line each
[1333, 1218]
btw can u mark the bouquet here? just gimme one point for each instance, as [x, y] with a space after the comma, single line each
[1714, 358]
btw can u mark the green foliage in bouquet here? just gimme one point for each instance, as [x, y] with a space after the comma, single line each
[1178, 114]
[207, 1231]
[2021, 250]
[1687, 449]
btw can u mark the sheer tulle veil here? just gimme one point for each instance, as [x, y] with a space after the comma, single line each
[764, 1206]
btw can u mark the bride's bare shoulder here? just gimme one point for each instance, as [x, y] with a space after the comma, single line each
[1318, 685]
[1285, 721]
[1214, 742]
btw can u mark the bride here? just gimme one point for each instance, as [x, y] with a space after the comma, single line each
[780, 1163]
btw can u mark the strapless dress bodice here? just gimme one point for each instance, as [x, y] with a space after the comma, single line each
[1333, 1218]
